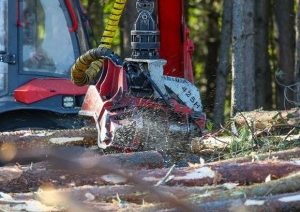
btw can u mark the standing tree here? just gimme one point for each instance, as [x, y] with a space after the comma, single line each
[285, 22]
[224, 64]
[263, 81]
[126, 25]
[212, 43]
[243, 73]
[297, 65]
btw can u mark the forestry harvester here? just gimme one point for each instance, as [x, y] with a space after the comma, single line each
[149, 96]
[39, 42]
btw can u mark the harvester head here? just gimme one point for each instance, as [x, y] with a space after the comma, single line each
[134, 104]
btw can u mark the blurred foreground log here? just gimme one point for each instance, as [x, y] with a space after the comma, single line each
[111, 170]
[82, 170]
[272, 196]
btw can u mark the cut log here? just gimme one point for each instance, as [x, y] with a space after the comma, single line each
[275, 203]
[37, 139]
[23, 146]
[129, 198]
[289, 184]
[128, 193]
[81, 171]
[263, 120]
[203, 144]
[110, 170]
[285, 155]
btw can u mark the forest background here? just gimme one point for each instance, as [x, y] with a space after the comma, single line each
[246, 53]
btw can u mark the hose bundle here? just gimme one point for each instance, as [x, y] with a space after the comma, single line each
[88, 65]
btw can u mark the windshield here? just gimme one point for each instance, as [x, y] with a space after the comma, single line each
[47, 44]
[3, 44]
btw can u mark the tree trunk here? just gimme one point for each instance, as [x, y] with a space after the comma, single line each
[126, 25]
[24, 146]
[212, 44]
[243, 88]
[96, 16]
[263, 79]
[113, 170]
[285, 21]
[87, 199]
[297, 66]
[224, 65]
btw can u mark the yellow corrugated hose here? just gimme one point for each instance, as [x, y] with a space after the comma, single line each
[86, 66]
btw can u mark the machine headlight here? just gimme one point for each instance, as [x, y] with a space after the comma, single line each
[68, 101]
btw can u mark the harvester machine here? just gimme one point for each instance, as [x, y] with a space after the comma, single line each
[147, 100]
[39, 42]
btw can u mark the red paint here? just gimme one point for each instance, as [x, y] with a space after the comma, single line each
[108, 100]
[39, 89]
[19, 23]
[175, 46]
[73, 16]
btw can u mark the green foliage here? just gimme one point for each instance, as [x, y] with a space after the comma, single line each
[99, 11]
[242, 144]
[200, 12]
[209, 125]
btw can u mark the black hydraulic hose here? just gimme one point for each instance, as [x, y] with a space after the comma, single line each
[85, 67]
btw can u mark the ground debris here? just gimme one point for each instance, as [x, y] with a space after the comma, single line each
[63, 171]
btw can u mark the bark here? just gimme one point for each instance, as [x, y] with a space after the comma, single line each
[297, 62]
[261, 120]
[270, 196]
[206, 146]
[126, 25]
[285, 22]
[40, 139]
[111, 171]
[24, 146]
[281, 155]
[243, 86]
[212, 43]
[83, 170]
[288, 184]
[129, 193]
[224, 64]
[285, 202]
[297, 58]
[262, 67]
[96, 17]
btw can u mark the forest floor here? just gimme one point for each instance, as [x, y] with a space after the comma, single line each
[251, 164]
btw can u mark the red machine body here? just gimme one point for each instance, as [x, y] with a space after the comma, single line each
[39, 42]
[175, 44]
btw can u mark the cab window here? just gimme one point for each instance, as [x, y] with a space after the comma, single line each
[3, 45]
[47, 45]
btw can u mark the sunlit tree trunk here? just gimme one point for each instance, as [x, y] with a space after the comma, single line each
[285, 22]
[224, 64]
[263, 81]
[243, 87]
